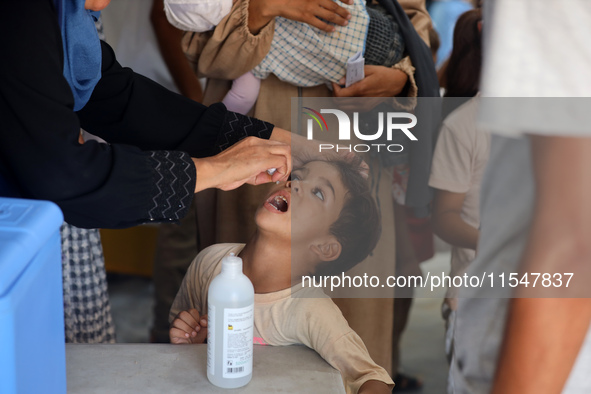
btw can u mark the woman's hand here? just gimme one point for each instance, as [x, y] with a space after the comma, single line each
[260, 12]
[244, 162]
[311, 11]
[380, 82]
[304, 150]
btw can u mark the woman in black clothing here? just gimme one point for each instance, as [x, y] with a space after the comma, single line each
[57, 77]
[157, 140]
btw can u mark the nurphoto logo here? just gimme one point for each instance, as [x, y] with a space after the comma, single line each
[390, 122]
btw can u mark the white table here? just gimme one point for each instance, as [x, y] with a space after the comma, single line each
[167, 369]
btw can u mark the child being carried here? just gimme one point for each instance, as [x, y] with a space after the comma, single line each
[300, 54]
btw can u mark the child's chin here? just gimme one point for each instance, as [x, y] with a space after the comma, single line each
[271, 223]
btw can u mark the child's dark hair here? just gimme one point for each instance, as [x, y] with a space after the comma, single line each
[462, 75]
[359, 226]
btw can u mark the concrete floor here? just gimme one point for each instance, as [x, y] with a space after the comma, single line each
[422, 343]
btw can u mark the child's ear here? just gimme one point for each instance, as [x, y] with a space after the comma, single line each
[330, 250]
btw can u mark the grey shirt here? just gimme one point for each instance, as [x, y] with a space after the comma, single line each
[506, 213]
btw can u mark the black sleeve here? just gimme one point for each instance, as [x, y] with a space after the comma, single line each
[126, 107]
[142, 175]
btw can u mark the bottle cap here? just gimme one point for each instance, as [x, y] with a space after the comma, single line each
[232, 263]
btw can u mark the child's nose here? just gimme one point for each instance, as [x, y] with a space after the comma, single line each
[291, 185]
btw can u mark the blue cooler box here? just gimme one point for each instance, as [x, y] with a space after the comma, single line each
[32, 349]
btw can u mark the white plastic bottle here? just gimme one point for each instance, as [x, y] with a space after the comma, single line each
[230, 323]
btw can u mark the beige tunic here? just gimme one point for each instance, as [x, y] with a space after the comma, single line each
[284, 318]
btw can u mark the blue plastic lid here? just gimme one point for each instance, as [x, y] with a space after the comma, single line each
[25, 227]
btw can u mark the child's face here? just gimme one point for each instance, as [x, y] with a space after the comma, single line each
[304, 209]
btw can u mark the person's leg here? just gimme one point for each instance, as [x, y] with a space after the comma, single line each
[87, 312]
[243, 94]
[449, 316]
[401, 313]
[176, 247]
[407, 264]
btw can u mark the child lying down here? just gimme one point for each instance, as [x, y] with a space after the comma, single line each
[323, 221]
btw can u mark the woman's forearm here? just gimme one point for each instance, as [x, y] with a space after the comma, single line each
[281, 135]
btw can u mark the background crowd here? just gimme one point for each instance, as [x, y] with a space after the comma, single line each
[149, 44]
[485, 197]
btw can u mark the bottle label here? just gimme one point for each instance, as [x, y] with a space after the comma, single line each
[211, 339]
[238, 334]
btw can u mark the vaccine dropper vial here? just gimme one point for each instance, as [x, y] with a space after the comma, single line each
[230, 323]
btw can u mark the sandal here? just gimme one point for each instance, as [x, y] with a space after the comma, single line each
[404, 383]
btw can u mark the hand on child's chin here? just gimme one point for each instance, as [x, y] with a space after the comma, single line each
[309, 151]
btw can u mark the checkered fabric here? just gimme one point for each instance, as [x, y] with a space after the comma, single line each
[305, 56]
[385, 44]
[87, 312]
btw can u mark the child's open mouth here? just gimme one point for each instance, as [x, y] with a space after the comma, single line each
[279, 202]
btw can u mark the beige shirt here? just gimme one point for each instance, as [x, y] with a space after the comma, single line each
[288, 317]
[458, 166]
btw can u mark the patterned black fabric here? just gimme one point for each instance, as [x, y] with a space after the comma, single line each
[384, 45]
[174, 185]
[87, 312]
[237, 127]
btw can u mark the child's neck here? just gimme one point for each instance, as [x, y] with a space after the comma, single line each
[267, 263]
